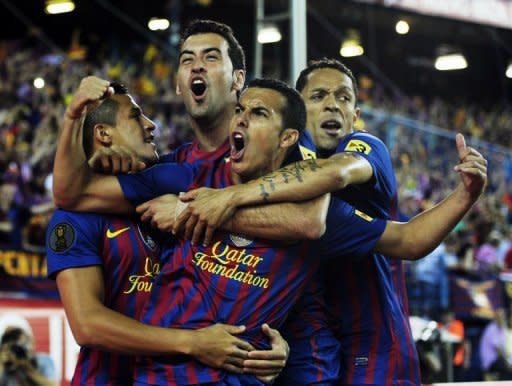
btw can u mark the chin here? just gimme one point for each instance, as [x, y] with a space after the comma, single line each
[150, 159]
[243, 172]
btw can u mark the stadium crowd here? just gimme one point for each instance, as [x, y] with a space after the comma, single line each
[30, 118]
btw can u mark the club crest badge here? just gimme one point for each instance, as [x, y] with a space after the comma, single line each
[62, 237]
[148, 240]
[239, 240]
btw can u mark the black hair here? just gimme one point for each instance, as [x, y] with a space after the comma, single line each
[294, 112]
[302, 80]
[12, 335]
[235, 50]
[105, 113]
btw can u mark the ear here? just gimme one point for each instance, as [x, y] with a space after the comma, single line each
[238, 80]
[356, 115]
[178, 90]
[288, 138]
[103, 134]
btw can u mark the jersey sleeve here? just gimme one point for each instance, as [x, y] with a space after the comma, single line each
[73, 240]
[350, 232]
[157, 180]
[376, 153]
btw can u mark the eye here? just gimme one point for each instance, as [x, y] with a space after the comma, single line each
[211, 58]
[238, 110]
[186, 60]
[260, 113]
[316, 97]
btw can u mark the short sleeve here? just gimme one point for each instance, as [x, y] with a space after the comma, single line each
[376, 153]
[350, 232]
[73, 240]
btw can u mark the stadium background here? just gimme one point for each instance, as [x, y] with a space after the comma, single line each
[413, 107]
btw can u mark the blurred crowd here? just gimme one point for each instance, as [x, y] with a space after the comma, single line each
[491, 125]
[30, 118]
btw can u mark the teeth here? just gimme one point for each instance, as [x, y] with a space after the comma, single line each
[197, 81]
[331, 124]
[238, 140]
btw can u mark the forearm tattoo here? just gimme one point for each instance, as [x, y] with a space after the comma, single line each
[287, 174]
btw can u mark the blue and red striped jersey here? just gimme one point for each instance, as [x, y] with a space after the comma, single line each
[235, 280]
[314, 350]
[368, 312]
[190, 152]
[129, 258]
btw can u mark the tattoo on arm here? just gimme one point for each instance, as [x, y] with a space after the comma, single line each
[287, 174]
[264, 193]
[270, 180]
[312, 164]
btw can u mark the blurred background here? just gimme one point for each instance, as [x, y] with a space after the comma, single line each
[426, 70]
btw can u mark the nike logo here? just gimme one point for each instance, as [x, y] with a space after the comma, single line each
[111, 234]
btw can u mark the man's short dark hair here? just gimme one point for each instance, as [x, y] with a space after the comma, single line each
[294, 112]
[235, 50]
[105, 113]
[302, 80]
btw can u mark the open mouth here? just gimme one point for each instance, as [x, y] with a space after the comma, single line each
[198, 87]
[237, 146]
[331, 126]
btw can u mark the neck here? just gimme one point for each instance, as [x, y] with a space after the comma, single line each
[276, 164]
[212, 133]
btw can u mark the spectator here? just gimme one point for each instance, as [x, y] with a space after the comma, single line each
[432, 277]
[19, 365]
[452, 332]
[486, 256]
[496, 346]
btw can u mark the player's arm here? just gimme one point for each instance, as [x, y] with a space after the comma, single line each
[298, 181]
[94, 325]
[209, 208]
[282, 221]
[75, 187]
[424, 232]
[303, 180]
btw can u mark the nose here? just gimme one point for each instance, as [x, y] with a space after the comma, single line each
[241, 119]
[331, 104]
[148, 124]
[198, 66]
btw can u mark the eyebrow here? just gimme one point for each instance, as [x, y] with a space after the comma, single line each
[205, 51]
[324, 89]
[135, 111]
